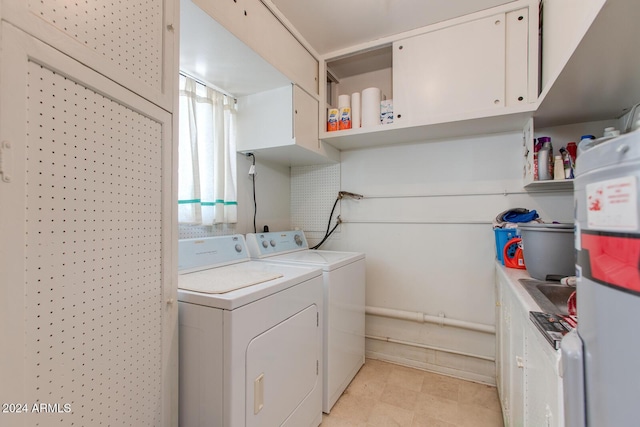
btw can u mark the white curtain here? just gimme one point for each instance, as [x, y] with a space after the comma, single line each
[207, 155]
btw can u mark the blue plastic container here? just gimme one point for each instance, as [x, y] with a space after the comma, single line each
[503, 235]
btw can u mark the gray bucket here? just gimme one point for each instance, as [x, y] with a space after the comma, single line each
[548, 249]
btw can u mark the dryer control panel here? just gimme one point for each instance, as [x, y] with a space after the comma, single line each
[262, 245]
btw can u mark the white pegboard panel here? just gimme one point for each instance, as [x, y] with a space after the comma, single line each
[314, 190]
[186, 231]
[93, 289]
[128, 33]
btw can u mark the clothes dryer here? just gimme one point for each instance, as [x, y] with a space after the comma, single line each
[344, 302]
[250, 338]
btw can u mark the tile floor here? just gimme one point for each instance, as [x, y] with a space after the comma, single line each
[385, 394]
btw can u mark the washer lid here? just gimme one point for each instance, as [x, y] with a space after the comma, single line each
[289, 276]
[327, 260]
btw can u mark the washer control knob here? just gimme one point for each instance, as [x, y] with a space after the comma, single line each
[265, 244]
[272, 243]
[238, 247]
[298, 239]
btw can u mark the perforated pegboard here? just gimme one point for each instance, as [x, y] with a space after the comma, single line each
[127, 33]
[93, 289]
[186, 231]
[313, 192]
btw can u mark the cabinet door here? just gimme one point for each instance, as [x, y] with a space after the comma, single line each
[265, 119]
[453, 70]
[131, 42]
[516, 366]
[305, 124]
[88, 284]
[271, 39]
[281, 125]
[543, 384]
[502, 343]
[511, 358]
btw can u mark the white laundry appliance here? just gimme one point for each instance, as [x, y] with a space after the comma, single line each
[250, 338]
[344, 302]
[601, 378]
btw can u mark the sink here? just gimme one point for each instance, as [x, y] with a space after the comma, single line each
[552, 297]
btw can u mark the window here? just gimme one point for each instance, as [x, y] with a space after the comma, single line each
[207, 155]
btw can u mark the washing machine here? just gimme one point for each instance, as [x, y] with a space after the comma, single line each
[250, 338]
[344, 302]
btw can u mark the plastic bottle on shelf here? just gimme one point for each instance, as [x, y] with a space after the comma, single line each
[344, 121]
[544, 159]
[558, 168]
[536, 147]
[586, 141]
[611, 132]
[572, 148]
[332, 119]
[567, 162]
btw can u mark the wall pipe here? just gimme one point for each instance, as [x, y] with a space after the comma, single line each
[427, 318]
[470, 222]
[428, 195]
[429, 347]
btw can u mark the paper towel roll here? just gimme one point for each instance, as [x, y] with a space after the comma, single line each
[344, 101]
[355, 110]
[371, 107]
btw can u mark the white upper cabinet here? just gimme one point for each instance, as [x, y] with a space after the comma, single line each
[470, 75]
[130, 42]
[281, 125]
[590, 62]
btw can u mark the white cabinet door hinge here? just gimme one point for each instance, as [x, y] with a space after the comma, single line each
[6, 161]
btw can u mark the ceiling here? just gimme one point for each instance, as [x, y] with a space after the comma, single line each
[331, 25]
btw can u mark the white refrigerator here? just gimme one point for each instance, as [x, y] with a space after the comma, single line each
[601, 358]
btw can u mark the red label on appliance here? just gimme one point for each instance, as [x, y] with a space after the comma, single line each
[612, 259]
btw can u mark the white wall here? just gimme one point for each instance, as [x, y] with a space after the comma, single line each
[425, 226]
[273, 190]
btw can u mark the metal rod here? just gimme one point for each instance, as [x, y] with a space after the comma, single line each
[419, 196]
[205, 83]
[351, 221]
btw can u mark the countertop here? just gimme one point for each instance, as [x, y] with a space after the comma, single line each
[512, 275]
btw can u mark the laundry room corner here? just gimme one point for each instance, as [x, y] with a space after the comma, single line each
[314, 190]
[425, 224]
